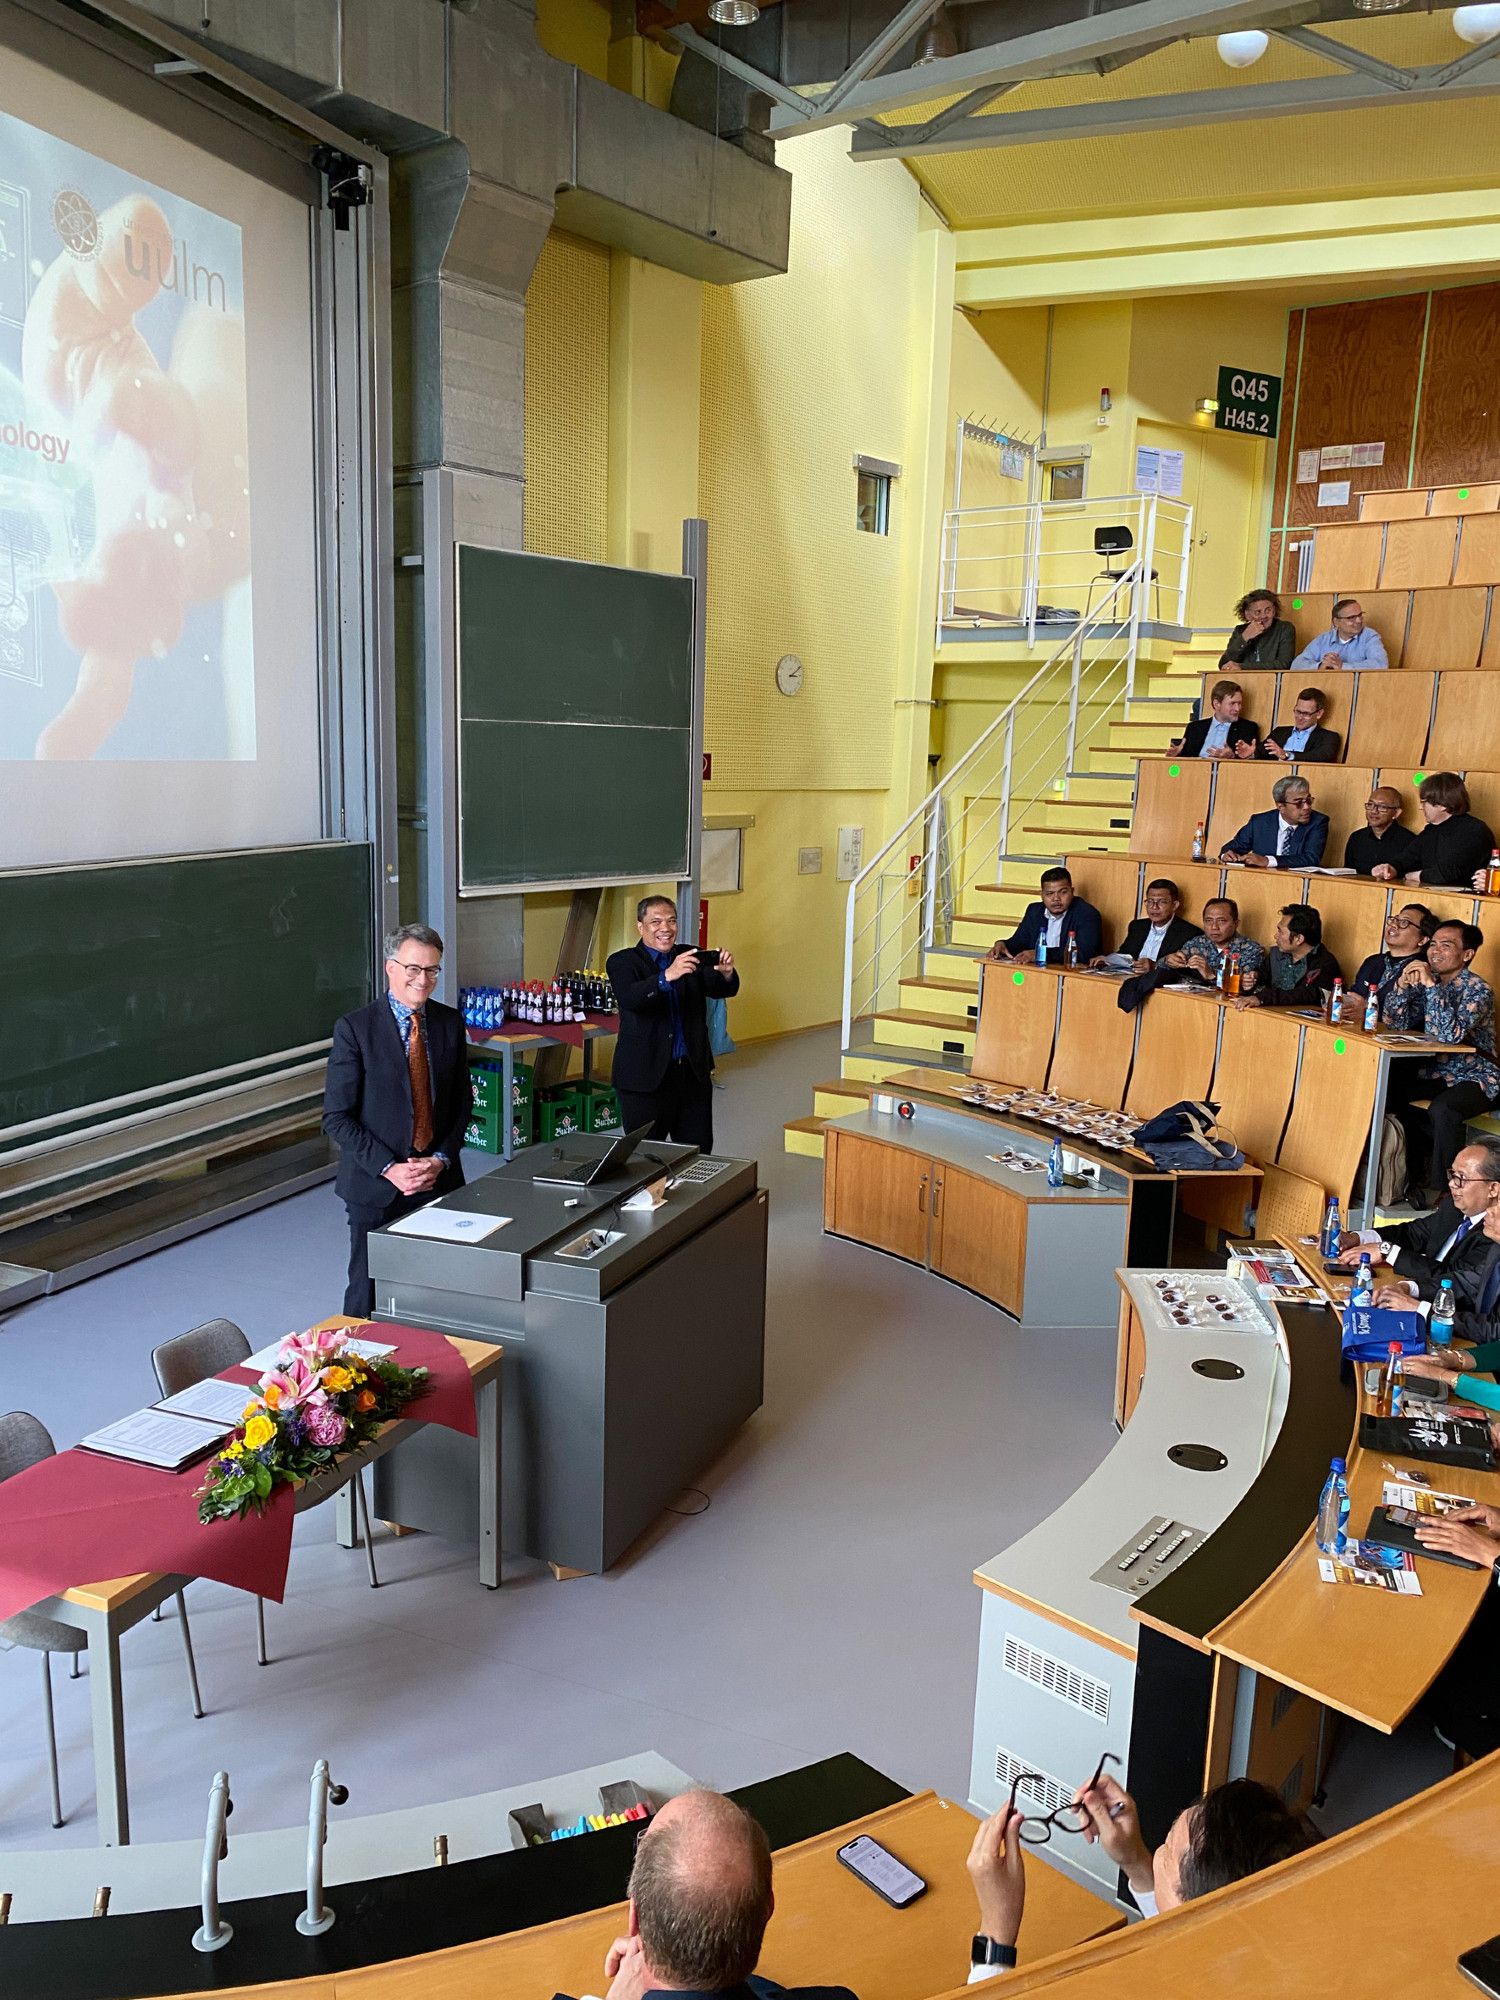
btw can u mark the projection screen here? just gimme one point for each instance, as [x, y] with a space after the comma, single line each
[159, 669]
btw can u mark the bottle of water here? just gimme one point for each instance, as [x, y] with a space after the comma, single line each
[1198, 841]
[1333, 1512]
[1390, 1388]
[1333, 1229]
[1372, 1011]
[1363, 1291]
[1041, 951]
[1071, 958]
[1440, 1324]
[1055, 1165]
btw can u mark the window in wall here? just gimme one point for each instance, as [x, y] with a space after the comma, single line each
[872, 500]
[1065, 478]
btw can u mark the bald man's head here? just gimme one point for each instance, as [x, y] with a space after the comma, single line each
[701, 1887]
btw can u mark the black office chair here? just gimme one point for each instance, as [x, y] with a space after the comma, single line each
[1108, 543]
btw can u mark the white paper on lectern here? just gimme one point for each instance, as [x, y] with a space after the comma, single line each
[450, 1225]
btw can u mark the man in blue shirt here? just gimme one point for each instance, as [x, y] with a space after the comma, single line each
[1348, 642]
[663, 1067]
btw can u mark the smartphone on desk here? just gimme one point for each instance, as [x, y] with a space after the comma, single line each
[876, 1866]
[1482, 1967]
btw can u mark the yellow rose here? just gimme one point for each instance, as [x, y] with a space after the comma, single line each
[250, 1410]
[337, 1380]
[259, 1431]
[234, 1450]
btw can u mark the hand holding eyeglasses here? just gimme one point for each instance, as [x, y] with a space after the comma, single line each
[1112, 1820]
[998, 1874]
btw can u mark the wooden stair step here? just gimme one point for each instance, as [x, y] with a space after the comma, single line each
[912, 1017]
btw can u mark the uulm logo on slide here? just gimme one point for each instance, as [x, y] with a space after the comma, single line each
[77, 223]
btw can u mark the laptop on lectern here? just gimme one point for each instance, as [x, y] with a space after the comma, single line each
[583, 1173]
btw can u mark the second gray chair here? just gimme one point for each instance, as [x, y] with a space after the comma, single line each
[25, 1441]
[208, 1350]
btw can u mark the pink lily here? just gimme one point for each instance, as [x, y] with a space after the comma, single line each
[292, 1384]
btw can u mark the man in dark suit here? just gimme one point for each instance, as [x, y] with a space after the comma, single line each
[663, 1067]
[396, 1100]
[1293, 836]
[1222, 732]
[1151, 939]
[1060, 915]
[700, 1900]
[1304, 738]
[1448, 1243]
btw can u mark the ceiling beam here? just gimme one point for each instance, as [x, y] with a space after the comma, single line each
[1042, 54]
[1461, 65]
[1347, 58]
[1116, 117]
[874, 57]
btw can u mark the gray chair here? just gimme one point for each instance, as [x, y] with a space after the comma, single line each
[24, 1442]
[208, 1350]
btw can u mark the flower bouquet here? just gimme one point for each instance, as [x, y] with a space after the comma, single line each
[320, 1400]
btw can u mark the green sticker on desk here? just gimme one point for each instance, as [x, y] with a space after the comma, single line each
[1419, 777]
[1174, 770]
[1018, 978]
[1463, 492]
[1296, 604]
[1339, 1045]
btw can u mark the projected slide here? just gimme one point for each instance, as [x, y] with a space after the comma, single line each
[125, 614]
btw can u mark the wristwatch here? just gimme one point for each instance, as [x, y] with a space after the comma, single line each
[989, 1951]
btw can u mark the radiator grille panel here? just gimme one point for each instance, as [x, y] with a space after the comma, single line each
[1056, 1677]
[1044, 1797]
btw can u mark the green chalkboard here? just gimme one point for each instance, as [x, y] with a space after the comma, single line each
[139, 975]
[575, 711]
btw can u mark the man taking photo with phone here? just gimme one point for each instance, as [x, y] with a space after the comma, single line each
[663, 1067]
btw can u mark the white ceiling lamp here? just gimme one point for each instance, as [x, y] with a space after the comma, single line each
[1245, 46]
[1476, 24]
[733, 13]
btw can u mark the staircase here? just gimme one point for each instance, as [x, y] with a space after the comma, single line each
[917, 1006]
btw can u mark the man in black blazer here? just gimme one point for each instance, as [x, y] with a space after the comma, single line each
[1448, 1243]
[700, 1900]
[1151, 939]
[1304, 739]
[663, 1067]
[397, 1100]
[1222, 732]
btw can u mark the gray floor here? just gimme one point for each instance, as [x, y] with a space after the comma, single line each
[823, 1602]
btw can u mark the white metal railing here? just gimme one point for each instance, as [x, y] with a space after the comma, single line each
[1000, 565]
[904, 900]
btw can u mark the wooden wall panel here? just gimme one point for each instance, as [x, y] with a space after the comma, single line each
[1465, 499]
[1479, 550]
[1466, 726]
[1360, 366]
[1171, 797]
[1284, 442]
[1401, 504]
[1458, 437]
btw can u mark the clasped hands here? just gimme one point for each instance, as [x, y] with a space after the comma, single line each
[414, 1176]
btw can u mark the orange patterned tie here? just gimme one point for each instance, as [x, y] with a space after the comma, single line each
[421, 1088]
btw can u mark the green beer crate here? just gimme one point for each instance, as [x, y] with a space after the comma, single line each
[522, 1125]
[484, 1077]
[483, 1131]
[560, 1112]
[523, 1085]
[601, 1108]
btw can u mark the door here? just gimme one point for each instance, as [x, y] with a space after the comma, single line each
[979, 1237]
[1221, 482]
[878, 1194]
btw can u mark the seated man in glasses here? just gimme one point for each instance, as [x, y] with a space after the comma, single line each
[1231, 1832]
[1448, 1243]
[1406, 933]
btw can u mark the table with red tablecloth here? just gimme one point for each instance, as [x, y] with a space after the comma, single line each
[79, 1516]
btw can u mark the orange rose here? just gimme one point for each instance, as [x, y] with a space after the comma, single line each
[365, 1400]
[272, 1396]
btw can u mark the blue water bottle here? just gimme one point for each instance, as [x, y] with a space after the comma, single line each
[1440, 1324]
[1332, 1228]
[1055, 1165]
[1333, 1512]
[1362, 1292]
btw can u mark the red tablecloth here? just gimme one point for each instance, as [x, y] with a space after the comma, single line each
[82, 1518]
[554, 1031]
